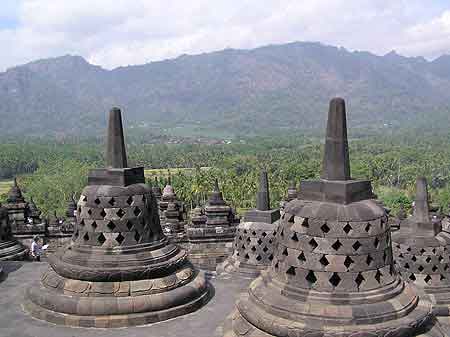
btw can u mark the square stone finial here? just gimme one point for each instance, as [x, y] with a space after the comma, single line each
[116, 156]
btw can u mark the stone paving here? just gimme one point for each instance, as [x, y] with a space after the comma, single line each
[206, 322]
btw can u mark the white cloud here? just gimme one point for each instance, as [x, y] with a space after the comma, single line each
[122, 32]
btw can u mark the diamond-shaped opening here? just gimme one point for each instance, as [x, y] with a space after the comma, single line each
[428, 259]
[94, 225]
[313, 244]
[86, 237]
[347, 228]
[442, 277]
[422, 251]
[249, 240]
[406, 265]
[270, 241]
[369, 260]
[259, 241]
[291, 271]
[400, 255]
[97, 201]
[427, 278]
[129, 225]
[434, 269]
[408, 249]
[294, 237]
[79, 210]
[376, 243]
[101, 239]
[414, 258]
[434, 250]
[82, 222]
[264, 234]
[302, 257]
[137, 236]
[89, 211]
[253, 248]
[325, 228]
[412, 277]
[84, 198]
[246, 256]
[112, 201]
[130, 200]
[305, 223]
[137, 211]
[282, 233]
[440, 258]
[258, 258]
[103, 213]
[265, 249]
[336, 245]
[348, 262]
[420, 268]
[446, 266]
[335, 280]
[120, 213]
[324, 261]
[111, 225]
[271, 257]
[276, 265]
[359, 279]
[311, 277]
[245, 231]
[285, 252]
[243, 246]
[254, 233]
[356, 245]
[120, 238]
[368, 227]
[378, 276]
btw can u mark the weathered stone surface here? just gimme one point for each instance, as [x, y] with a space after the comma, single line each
[211, 241]
[421, 251]
[171, 213]
[332, 273]
[119, 268]
[255, 240]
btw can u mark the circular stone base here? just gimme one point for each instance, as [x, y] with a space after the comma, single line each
[12, 250]
[115, 304]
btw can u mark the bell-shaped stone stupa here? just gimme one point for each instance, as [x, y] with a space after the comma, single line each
[421, 251]
[255, 239]
[119, 268]
[332, 272]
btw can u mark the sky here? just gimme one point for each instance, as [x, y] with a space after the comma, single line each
[113, 33]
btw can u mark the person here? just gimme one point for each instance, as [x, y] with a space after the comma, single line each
[36, 249]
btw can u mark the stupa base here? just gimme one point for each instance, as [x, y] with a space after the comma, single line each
[12, 250]
[265, 311]
[116, 304]
[441, 302]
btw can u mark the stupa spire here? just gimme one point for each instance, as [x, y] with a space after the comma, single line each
[116, 156]
[336, 164]
[262, 197]
[421, 208]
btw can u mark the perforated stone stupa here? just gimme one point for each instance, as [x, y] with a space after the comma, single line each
[171, 212]
[333, 272]
[255, 239]
[10, 249]
[212, 242]
[421, 251]
[119, 268]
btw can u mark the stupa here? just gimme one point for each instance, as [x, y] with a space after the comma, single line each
[171, 212]
[421, 251]
[211, 243]
[254, 244]
[292, 194]
[119, 268]
[156, 190]
[10, 249]
[333, 272]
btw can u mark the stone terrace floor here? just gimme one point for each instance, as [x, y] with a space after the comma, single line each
[206, 322]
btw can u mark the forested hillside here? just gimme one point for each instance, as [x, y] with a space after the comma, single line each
[234, 91]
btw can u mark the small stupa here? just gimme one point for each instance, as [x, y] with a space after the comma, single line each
[421, 251]
[10, 249]
[255, 239]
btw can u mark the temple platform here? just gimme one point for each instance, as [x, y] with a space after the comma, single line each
[206, 322]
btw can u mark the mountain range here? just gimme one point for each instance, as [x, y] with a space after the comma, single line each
[276, 87]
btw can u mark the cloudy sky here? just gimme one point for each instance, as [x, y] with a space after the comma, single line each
[112, 33]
